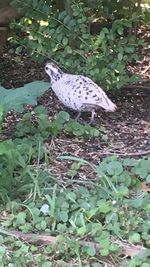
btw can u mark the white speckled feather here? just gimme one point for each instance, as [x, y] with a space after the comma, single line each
[78, 92]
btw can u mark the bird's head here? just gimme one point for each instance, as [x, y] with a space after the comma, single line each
[53, 71]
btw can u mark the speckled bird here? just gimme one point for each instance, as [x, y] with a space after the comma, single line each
[78, 92]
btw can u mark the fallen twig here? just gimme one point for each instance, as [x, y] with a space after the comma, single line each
[134, 86]
[140, 153]
[126, 249]
[146, 69]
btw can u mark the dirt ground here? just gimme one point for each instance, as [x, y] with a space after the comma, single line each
[128, 128]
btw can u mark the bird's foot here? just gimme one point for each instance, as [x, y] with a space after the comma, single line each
[92, 117]
[78, 116]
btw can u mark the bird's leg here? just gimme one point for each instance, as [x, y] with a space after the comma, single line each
[78, 116]
[92, 116]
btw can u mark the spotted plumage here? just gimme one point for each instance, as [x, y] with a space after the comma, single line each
[78, 92]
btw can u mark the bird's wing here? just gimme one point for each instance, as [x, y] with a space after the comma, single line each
[92, 94]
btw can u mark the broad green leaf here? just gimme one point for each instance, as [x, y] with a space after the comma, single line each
[68, 49]
[51, 32]
[15, 99]
[130, 162]
[104, 252]
[91, 213]
[122, 190]
[148, 178]
[120, 30]
[67, 19]
[43, 225]
[21, 218]
[105, 207]
[71, 196]
[81, 231]
[101, 37]
[91, 250]
[134, 238]
[129, 49]
[63, 216]
[59, 30]
[143, 254]
[135, 203]
[114, 168]
[62, 117]
[145, 264]
[120, 56]
[114, 247]
[141, 171]
[65, 41]
[62, 15]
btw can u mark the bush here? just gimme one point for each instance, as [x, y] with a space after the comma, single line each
[53, 34]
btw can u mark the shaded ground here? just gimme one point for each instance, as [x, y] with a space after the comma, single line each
[128, 128]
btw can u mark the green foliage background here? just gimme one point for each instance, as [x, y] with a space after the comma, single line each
[51, 31]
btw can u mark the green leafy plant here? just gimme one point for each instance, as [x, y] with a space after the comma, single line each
[89, 220]
[16, 168]
[68, 41]
[16, 99]
[38, 123]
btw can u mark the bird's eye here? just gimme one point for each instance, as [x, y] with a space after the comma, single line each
[46, 68]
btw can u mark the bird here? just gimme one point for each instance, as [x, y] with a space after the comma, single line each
[78, 92]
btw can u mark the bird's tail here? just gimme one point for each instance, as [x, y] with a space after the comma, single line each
[108, 105]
